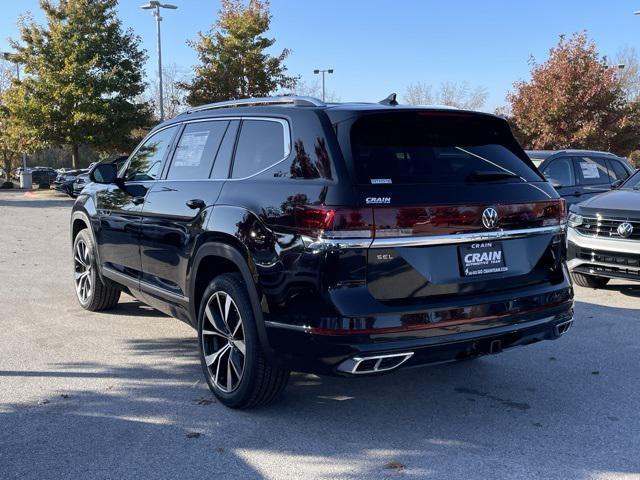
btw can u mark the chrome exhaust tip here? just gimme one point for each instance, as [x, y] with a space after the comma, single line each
[563, 327]
[374, 364]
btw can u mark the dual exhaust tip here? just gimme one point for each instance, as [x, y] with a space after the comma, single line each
[563, 327]
[384, 363]
[374, 364]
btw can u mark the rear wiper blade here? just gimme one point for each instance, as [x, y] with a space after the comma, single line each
[489, 176]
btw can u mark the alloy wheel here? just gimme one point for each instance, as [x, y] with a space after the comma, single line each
[82, 266]
[223, 341]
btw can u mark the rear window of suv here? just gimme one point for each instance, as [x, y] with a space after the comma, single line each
[433, 147]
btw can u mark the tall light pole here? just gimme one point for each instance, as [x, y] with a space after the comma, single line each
[155, 5]
[9, 58]
[317, 71]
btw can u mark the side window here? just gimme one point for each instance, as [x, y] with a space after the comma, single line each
[197, 150]
[146, 163]
[591, 171]
[225, 152]
[560, 171]
[617, 171]
[261, 144]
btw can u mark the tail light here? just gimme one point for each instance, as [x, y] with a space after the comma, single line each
[335, 222]
[380, 222]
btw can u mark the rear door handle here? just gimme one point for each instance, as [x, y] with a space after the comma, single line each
[138, 200]
[577, 194]
[196, 203]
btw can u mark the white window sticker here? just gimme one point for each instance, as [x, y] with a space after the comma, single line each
[589, 170]
[190, 149]
[378, 181]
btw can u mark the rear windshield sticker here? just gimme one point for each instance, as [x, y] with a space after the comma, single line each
[378, 181]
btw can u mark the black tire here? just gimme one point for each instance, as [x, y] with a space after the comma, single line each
[258, 382]
[96, 295]
[589, 281]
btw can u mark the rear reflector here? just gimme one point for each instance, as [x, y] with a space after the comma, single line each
[381, 222]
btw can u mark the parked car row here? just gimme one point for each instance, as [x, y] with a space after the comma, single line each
[72, 182]
[603, 193]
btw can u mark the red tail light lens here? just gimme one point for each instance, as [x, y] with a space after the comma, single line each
[335, 222]
[381, 222]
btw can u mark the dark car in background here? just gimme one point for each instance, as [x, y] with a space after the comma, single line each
[43, 175]
[82, 179]
[64, 181]
[580, 174]
[604, 236]
[345, 239]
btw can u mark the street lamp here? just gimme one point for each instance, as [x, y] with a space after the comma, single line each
[10, 58]
[155, 5]
[317, 71]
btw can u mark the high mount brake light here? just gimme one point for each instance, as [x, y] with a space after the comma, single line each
[380, 222]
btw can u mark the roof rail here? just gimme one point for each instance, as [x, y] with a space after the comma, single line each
[248, 102]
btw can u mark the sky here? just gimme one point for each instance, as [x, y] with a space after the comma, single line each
[380, 46]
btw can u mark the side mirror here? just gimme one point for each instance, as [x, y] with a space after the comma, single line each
[105, 173]
[616, 184]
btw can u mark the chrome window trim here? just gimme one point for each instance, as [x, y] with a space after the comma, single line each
[286, 138]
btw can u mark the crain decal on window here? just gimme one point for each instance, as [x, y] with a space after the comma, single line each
[370, 200]
[378, 181]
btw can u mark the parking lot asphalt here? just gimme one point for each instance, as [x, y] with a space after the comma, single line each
[121, 394]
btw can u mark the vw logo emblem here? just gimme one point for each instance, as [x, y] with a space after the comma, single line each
[489, 218]
[625, 229]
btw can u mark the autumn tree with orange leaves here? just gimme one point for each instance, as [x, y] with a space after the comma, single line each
[574, 100]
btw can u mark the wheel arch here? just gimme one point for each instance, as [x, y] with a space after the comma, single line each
[212, 259]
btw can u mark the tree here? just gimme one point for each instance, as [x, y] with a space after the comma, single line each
[574, 100]
[15, 136]
[313, 89]
[233, 62]
[454, 94]
[83, 74]
[629, 76]
[174, 96]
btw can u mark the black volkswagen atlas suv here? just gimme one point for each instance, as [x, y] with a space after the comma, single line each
[345, 239]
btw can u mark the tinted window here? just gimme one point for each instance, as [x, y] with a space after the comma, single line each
[225, 152]
[197, 150]
[616, 170]
[261, 144]
[560, 171]
[427, 147]
[591, 171]
[146, 163]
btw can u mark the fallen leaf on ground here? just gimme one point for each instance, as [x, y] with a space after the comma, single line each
[397, 466]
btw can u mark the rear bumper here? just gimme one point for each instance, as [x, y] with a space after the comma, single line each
[490, 327]
[603, 257]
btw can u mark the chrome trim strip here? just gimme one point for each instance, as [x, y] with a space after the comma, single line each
[286, 326]
[604, 244]
[141, 285]
[464, 237]
[150, 288]
[580, 262]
